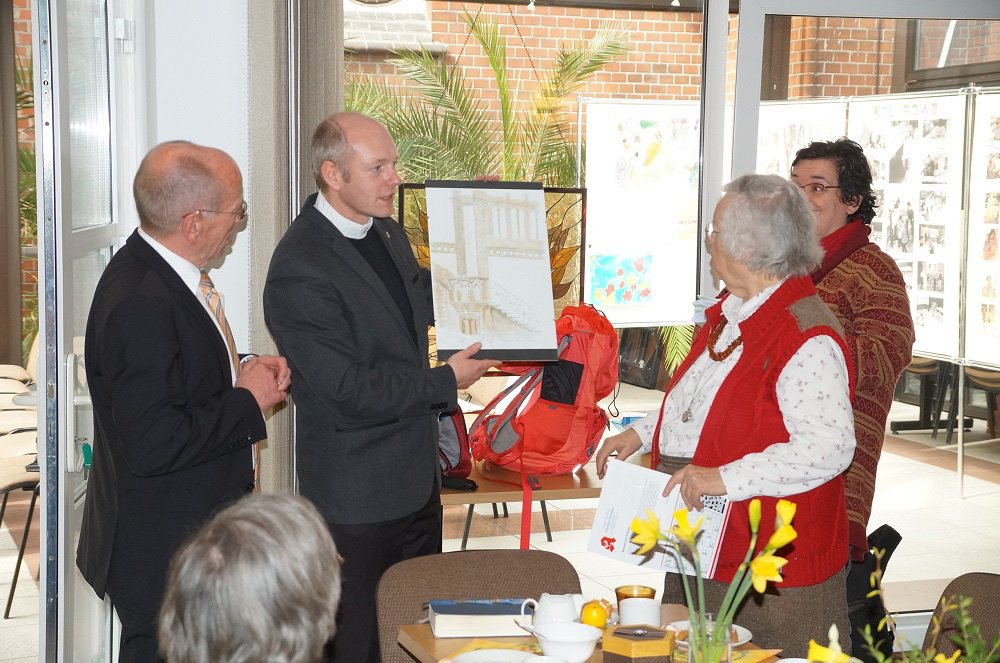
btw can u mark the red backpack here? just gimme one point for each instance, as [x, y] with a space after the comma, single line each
[553, 425]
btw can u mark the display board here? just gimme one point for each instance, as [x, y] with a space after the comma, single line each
[788, 126]
[982, 339]
[642, 239]
[915, 147]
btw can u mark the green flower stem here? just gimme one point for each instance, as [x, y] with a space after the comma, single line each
[730, 601]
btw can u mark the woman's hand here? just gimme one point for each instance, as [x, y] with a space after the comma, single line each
[626, 444]
[694, 482]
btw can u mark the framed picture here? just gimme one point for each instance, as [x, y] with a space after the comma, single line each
[488, 245]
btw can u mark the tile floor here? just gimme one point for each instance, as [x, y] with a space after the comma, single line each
[944, 534]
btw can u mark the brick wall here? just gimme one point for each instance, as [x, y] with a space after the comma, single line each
[828, 56]
[838, 57]
[971, 42]
[26, 138]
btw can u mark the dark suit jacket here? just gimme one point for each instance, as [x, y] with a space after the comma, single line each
[171, 430]
[366, 402]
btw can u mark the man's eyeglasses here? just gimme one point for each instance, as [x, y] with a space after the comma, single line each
[710, 232]
[240, 216]
[817, 188]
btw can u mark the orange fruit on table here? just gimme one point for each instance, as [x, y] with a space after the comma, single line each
[595, 613]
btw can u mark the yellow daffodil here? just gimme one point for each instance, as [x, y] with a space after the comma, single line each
[764, 568]
[786, 511]
[782, 537]
[684, 531]
[820, 654]
[754, 514]
[647, 532]
[940, 658]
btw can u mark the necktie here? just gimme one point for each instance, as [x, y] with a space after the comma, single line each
[214, 301]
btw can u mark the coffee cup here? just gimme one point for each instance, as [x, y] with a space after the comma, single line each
[623, 592]
[639, 611]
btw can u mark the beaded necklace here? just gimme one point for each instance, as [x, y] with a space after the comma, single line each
[714, 338]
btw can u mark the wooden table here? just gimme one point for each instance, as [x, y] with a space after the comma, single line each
[502, 485]
[418, 640]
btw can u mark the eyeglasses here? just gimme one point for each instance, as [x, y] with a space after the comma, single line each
[817, 188]
[240, 216]
[710, 232]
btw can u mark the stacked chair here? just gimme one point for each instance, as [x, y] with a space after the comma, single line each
[19, 445]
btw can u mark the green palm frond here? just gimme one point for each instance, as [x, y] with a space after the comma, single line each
[575, 64]
[676, 345]
[444, 128]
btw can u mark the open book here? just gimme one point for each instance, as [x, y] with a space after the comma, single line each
[628, 491]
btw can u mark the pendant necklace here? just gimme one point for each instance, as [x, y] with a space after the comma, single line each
[713, 338]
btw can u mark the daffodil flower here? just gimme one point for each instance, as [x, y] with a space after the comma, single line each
[684, 531]
[647, 532]
[764, 568]
[786, 511]
[820, 654]
[782, 537]
[754, 514]
[940, 658]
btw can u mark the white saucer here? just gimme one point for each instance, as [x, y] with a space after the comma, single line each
[743, 635]
[494, 656]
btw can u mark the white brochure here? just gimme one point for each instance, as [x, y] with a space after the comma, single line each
[628, 491]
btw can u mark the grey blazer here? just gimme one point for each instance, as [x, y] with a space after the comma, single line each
[366, 400]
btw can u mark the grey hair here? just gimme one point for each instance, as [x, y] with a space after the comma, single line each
[329, 143]
[259, 582]
[174, 179]
[769, 226]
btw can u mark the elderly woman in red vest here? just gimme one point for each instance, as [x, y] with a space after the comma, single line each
[761, 407]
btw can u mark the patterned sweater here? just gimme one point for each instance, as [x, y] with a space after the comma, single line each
[865, 290]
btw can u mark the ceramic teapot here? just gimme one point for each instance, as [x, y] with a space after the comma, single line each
[554, 608]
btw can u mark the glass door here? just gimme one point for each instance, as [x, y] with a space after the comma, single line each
[78, 234]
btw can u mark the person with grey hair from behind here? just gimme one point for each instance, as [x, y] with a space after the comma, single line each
[761, 408]
[259, 582]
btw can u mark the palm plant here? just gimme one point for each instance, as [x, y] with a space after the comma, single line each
[676, 345]
[444, 129]
[27, 200]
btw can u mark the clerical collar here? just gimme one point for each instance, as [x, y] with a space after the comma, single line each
[347, 228]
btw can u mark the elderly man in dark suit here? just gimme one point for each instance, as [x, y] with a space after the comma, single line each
[176, 414]
[349, 307]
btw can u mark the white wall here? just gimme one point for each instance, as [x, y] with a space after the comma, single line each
[196, 81]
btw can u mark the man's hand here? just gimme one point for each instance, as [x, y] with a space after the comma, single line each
[468, 370]
[260, 379]
[278, 366]
[696, 481]
[625, 443]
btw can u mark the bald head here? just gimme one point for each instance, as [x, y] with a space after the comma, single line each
[333, 141]
[176, 178]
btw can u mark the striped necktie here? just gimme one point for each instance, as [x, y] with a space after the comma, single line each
[214, 301]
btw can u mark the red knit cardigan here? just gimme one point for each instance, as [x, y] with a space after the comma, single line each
[745, 418]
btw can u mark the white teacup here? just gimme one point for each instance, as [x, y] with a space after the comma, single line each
[553, 608]
[573, 643]
[639, 611]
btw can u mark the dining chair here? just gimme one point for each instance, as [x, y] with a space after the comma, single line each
[14, 476]
[407, 586]
[983, 589]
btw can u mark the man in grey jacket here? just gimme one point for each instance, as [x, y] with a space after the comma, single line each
[349, 307]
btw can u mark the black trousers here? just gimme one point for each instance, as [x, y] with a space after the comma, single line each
[368, 550]
[140, 622]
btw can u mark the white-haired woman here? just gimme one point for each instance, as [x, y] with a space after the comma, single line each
[259, 582]
[761, 407]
